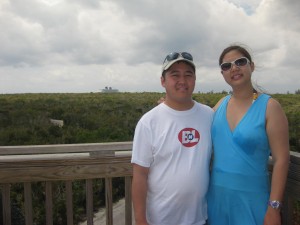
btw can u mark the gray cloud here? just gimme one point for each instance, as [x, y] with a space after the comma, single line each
[85, 45]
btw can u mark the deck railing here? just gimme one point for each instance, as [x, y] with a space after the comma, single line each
[50, 163]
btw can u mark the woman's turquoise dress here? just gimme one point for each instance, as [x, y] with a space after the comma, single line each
[239, 185]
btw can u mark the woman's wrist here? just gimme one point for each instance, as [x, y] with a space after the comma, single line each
[275, 204]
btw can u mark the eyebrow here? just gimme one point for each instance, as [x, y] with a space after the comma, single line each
[186, 71]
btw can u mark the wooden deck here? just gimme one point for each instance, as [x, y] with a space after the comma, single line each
[68, 163]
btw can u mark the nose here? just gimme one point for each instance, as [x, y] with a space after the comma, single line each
[181, 79]
[234, 67]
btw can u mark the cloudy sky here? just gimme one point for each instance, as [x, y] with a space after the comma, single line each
[49, 46]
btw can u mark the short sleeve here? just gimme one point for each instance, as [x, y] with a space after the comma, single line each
[142, 153]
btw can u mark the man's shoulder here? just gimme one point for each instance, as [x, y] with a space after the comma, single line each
[204, 107]
[153, 112]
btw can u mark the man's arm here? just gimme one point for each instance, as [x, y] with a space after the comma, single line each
[139, 193]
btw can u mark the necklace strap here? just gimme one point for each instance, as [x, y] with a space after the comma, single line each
[255, 95]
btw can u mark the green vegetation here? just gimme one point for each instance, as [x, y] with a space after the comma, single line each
[291, 105]
[25, 119]
[90, 118]
[97, 117]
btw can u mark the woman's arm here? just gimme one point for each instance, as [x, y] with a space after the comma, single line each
[278, 135]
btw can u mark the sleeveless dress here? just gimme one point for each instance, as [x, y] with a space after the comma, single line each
[239, 185]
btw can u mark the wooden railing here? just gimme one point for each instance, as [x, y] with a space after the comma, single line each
[49, 163]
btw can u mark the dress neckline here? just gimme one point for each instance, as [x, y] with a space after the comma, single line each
[255, 97]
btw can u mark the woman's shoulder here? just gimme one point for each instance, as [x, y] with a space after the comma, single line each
[273, 104]
[274, 109]
[219, 102]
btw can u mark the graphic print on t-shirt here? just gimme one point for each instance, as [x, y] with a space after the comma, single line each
[189, 137]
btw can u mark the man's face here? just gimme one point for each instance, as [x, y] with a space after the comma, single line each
[179, 82]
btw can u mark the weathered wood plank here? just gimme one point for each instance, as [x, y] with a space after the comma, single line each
[48, 170]
[128, 202]
[108, 201]
[89, 201]
[46, 160]
[295, 158]
[49, 203]
[69, 202]
[65, 148]
[28, 203]
[6, 204]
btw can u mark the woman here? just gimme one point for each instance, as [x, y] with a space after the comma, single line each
[248, 126]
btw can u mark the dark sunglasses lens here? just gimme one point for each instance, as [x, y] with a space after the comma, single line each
[241, 62]
[187, 55]
[172, 56]
[225, 66]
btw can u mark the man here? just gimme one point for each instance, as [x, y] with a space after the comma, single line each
[171, 152]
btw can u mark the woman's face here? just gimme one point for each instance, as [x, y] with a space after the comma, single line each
[240, 70]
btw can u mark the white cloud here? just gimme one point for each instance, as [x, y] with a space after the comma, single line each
[85, 45]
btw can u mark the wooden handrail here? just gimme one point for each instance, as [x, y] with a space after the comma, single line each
[65, 148]
[28, 164]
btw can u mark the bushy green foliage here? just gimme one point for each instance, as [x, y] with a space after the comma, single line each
[291, 105]
[98, 117]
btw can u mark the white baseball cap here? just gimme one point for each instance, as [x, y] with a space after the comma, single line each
[175, 57]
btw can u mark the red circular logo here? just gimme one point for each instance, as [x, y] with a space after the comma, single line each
[189, 137]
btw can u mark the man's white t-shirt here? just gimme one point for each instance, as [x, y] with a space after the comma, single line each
[176, 146]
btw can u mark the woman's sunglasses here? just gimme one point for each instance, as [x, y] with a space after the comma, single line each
[175, 55]
[238, 62]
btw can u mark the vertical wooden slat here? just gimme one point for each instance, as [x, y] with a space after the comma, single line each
[284, 210]
[128, 202]
[28, 203]
[49, 203]
[69, 202]
[108, 201]
[6, 204]
[289, 211]
[89, 202]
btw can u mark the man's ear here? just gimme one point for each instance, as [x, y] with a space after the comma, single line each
[162, 81]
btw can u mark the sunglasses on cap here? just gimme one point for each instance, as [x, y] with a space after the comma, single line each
[176, 55]
[238, 62]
